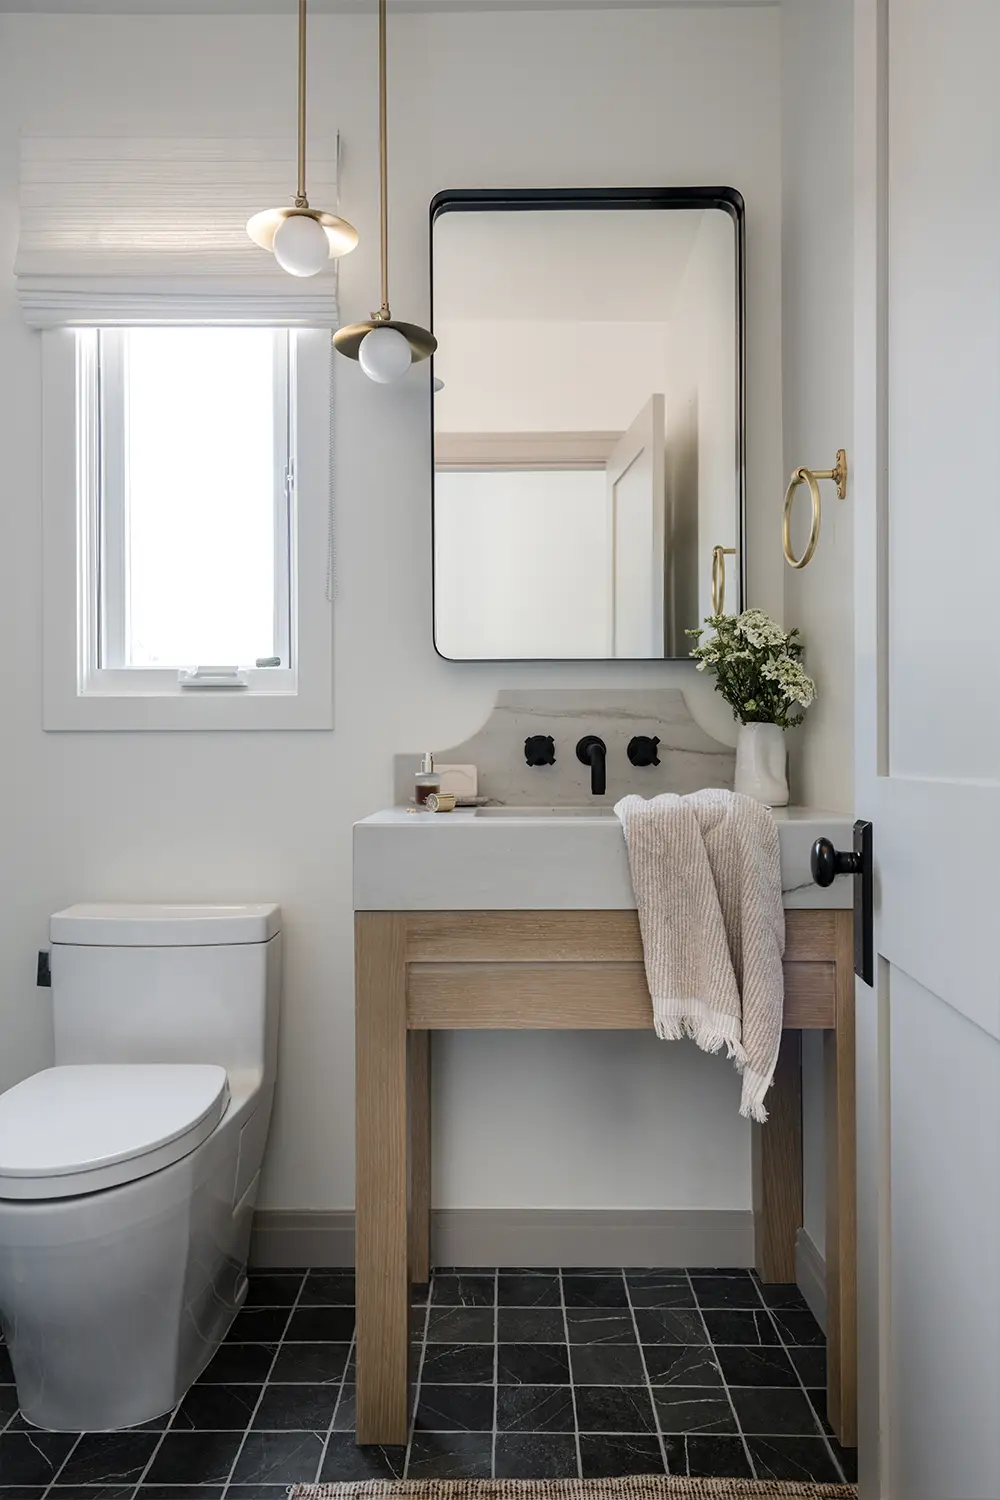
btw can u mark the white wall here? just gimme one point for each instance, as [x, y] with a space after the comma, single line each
[817, 326]
[817, 333]
[675, 96]
[537, 538]
[551, 376]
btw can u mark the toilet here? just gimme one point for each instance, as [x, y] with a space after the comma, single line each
[129, 1170]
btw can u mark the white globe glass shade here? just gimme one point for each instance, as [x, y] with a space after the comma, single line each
[300, 245]
[384, 355]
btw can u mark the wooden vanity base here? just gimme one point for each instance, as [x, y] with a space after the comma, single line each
[419, 972]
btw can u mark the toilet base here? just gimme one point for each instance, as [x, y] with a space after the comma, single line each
[113, 1304]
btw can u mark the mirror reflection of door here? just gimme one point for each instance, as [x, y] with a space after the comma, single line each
[636, 550]
[588, 436]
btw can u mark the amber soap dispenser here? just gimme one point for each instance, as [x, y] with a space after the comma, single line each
[426, 780]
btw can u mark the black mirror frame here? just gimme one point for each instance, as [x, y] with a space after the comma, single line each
[480, 200]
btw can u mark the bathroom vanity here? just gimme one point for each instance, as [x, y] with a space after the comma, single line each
[585, 508]
[522, 918]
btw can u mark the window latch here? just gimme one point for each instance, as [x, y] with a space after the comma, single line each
[213, 677]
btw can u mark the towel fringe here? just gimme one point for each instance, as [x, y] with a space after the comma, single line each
[752, 1104]
[709, 1030]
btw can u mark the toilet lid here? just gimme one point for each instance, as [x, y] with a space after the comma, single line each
[83, 1127]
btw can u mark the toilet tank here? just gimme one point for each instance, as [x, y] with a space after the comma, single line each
[164, 983]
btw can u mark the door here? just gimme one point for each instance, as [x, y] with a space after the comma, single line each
[927, 506]
[635, 479]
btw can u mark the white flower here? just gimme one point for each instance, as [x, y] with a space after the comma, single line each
[791, 677]
[759, 629]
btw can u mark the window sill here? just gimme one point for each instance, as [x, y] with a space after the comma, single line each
[188, 709]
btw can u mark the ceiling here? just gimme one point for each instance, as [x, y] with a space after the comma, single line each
[271, 7]
[577, 266]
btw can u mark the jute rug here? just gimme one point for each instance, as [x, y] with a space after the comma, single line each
[651, 1487]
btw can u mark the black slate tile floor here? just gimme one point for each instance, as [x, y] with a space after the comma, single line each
[518, 1374]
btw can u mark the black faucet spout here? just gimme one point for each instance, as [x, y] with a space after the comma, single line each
[593, 752]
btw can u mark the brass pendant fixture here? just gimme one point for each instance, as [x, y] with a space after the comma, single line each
[384, 347]
[302, 239]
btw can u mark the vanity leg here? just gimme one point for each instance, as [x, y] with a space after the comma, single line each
[419, 1063]
[776, 1159]
[841, 1199]
[383, 1291]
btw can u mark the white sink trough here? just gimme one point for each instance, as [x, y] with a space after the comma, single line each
[514, 858]
[599, 810]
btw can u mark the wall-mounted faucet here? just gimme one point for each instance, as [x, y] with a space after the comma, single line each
[593, 752]
[540, 750]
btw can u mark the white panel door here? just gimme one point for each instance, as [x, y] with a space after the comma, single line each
[927, 502]
[636, 475]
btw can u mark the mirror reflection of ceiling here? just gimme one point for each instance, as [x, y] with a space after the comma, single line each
[597, 266]
[567, 321]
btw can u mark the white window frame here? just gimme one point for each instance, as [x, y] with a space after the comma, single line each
[82, 692]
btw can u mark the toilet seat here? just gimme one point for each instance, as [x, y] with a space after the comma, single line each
[81, 1128]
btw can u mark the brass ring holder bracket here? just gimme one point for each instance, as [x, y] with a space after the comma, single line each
[811, 477]
[719, 555]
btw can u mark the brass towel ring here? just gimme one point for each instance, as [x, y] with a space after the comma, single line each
[810, 477]
[719, 555]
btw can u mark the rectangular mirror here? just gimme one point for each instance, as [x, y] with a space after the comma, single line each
[588, 420]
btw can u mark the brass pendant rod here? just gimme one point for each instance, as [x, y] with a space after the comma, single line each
[301, 201]
[383, 157]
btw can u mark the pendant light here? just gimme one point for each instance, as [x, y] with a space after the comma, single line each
[384, 347]
[302, 239]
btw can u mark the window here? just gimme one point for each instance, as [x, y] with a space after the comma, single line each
[195, 480]
[187, 495]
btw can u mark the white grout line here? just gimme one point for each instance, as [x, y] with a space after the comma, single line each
[246, 1431]
[572, 1383]
[336, 1405]
[65, 1461]
[158, 1445]
[547, 1432]
[649, 1384]
[725, 1383]
[496, 1368]
[412, 1415]
[805, 1389]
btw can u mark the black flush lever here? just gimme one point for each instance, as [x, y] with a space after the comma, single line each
[827, 863]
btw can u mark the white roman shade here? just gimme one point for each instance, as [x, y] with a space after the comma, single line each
[118, 231]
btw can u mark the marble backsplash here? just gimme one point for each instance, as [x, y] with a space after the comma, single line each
[689, 758]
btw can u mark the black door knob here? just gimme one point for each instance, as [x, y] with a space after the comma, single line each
[828, 862]
[642, 750]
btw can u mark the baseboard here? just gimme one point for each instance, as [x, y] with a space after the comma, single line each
[810, 1273]
[302, 1237]
[523, 1237]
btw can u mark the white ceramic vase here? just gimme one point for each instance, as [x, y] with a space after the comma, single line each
[762, 764]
